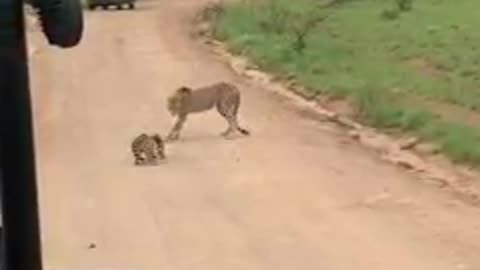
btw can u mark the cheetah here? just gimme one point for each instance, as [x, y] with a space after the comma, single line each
[222, 95]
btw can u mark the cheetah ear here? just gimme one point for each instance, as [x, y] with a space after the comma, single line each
[184, 89]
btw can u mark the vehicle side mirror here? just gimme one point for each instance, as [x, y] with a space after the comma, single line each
[61, 20]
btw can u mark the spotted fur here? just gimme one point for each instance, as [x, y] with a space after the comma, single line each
[224, 96]
[148, 149]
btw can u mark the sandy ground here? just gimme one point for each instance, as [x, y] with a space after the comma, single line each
[294, 195]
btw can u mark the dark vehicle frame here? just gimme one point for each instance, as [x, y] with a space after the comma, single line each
[105, 4]
[62, 25]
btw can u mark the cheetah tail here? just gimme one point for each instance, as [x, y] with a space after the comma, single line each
[244, 131]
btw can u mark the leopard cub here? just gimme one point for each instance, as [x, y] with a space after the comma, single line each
[148, 149]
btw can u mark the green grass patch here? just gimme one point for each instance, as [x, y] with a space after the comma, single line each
[376, 52]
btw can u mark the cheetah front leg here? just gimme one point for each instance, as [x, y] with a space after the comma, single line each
[175, 132]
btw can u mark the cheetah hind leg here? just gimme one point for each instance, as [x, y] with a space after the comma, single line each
[229, 115]
[227, 132]
[231, 133]
[229, 112]
[234, 129]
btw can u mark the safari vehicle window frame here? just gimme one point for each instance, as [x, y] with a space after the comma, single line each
[21, 248]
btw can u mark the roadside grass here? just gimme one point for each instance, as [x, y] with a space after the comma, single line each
[407, 70]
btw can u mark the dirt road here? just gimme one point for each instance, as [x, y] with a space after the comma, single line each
[294, 195]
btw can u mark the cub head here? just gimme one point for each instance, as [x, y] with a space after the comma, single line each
[178, 101]
[141, 136]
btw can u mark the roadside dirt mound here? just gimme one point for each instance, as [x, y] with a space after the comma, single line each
[409, 153]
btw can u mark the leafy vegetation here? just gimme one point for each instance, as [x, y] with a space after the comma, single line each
[407, 65]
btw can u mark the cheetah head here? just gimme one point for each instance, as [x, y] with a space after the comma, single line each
[177, 102]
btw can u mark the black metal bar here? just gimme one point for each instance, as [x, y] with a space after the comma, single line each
[17, 162]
